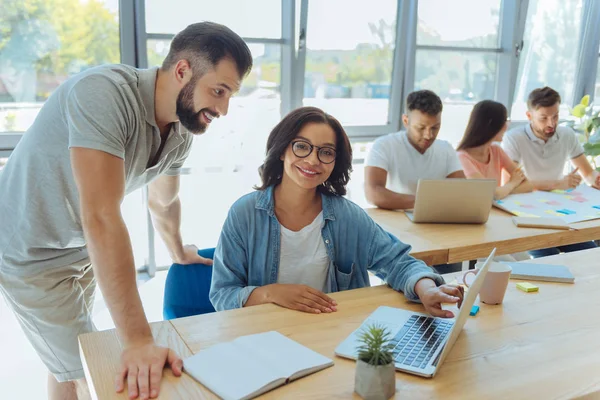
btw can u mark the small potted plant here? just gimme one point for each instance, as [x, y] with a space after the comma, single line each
[375, 377]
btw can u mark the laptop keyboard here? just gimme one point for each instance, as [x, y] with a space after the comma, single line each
[418, 340]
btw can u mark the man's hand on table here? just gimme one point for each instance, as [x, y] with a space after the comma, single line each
[142, 365]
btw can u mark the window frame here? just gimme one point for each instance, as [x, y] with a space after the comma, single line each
[510, 35]
[513, 17]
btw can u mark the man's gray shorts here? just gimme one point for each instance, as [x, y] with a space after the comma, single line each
[54, 307]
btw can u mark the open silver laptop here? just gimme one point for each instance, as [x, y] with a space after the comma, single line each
[463, 201]
[421, 342]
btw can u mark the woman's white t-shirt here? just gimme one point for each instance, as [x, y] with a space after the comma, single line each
[304, 259]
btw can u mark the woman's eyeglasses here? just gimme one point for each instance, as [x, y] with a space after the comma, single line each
[303, 149]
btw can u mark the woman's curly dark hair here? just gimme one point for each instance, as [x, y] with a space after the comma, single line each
[281, 136]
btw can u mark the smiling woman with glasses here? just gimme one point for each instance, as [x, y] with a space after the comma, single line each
[296, 238]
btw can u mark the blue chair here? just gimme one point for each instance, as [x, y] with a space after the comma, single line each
[187, 288]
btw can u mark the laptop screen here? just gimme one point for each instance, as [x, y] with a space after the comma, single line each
[465, 308]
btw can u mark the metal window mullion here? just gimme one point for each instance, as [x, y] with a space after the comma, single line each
[132, 51]
[403, 51]
[159, 36]
[460, 49]
[264, 40]
[397, 87]
[252, 40]
[411, 10]
[508, 23]
[141, 55]
[8, 141]
[589, 42]
[368, 131]
[141, 34]
[288, 55]
[127, 32]
[150, 266]
[514, 19]
[299, 65]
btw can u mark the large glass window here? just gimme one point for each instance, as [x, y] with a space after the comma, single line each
[459, 23]
[223, 164]
[549, 56]
[457, 56]
[251, 19]
[42, 43]
[356, 187]
[349, 60]
[135, 214]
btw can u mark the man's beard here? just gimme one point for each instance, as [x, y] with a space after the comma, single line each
[544, 134]
[190, 119]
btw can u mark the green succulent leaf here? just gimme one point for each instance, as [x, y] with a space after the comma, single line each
[375, 347]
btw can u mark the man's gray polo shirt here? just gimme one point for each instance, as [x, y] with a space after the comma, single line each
[108, 108]
[542, 160]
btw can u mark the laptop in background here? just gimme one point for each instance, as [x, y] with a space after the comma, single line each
[421, 342]
[455, 201]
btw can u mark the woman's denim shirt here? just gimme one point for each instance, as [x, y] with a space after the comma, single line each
[248, 252]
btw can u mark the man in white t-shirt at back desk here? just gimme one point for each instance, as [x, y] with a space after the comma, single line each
[398, 160]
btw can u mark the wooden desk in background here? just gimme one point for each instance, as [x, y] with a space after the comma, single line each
[536, 345]
[423, 249]
[468, 242]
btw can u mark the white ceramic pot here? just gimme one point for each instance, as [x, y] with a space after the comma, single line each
[375, 382]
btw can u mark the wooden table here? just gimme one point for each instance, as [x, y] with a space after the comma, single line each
[424, 249]
[536, 345]
[463, 242]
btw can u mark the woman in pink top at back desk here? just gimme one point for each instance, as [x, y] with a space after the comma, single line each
[481, 158]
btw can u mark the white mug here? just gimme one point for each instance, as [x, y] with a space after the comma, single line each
[495, 283]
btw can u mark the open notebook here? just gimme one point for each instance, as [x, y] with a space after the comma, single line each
[252, 365]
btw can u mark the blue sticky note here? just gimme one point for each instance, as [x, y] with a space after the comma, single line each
[565, 211]
[499, 201]
[597, 207]
[474, 310]
[569, 190]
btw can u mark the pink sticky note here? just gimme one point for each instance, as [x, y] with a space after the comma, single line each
[580, 199]
[527, 206]
[553, 203]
